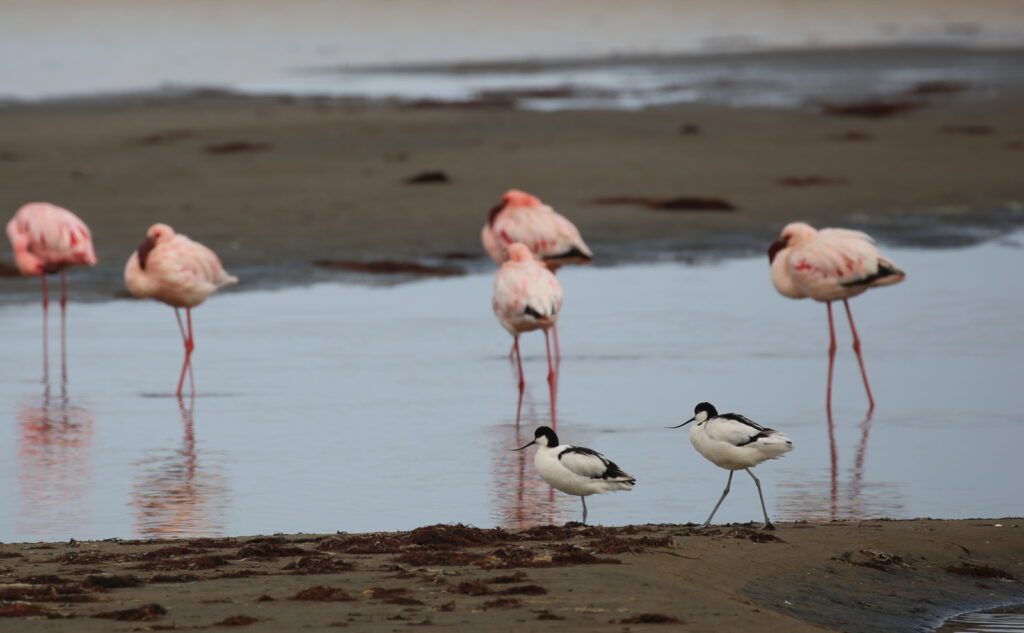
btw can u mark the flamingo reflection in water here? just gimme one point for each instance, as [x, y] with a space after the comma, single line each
[175, 494]
[521, 499]
[55, 463]
[836, 499]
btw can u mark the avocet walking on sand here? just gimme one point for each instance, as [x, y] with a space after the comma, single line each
[527, 297]
[829, 265]
[734, 442]
[173, 269]
[575, 470]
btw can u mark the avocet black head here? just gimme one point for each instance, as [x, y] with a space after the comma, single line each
[543, 436]
[701, 412]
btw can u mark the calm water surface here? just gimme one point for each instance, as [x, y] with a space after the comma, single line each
[350, 407]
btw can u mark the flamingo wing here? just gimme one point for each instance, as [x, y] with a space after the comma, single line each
[840, 257]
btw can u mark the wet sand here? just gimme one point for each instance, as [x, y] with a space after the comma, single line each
[864, 576]
[277, 181]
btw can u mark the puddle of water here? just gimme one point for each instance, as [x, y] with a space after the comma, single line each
[1005, 620]
[347, 407]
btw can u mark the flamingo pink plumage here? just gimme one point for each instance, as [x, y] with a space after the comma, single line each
[521, 217]
[171, 268]
[527, 297]
[829, 265]
[48, 239]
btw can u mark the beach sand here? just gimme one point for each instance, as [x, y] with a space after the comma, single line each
[855, 576]
[271, 181]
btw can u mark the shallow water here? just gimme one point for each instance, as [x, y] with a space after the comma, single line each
[350, 407]
[63, 48]
[1005, 620]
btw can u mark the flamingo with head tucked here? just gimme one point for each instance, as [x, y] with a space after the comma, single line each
[830, 265]
[171, 268]
[48, 239]
[527, 297]
[523, 218]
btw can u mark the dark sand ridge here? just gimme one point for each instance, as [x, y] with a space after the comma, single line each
[862, 576]
[266, 181]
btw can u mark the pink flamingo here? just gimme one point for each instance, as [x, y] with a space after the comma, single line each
[521, 217]
[47, 239]
[171, 268]
[829, 265]
[527, 297]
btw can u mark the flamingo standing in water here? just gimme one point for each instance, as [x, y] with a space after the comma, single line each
[829, 265]
[171, 268]
[523, 218]
[48, 239]
[527, 297]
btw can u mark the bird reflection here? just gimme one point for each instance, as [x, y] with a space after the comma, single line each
[522, 499]
[55, 465]
[553, 372]
[175, 494]
[849, 500]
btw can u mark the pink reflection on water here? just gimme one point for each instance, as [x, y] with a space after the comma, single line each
[176, 494]
[836, 499]
[520, 498]
[54, 459]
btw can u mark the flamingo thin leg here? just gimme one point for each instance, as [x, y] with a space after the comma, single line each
[191, 346]
[552, 381]
[187, 339]
[522, 382]
[46, 344]
[831, 357]
[558, 349]
[860, 358]
[63, 326]
[519, 364]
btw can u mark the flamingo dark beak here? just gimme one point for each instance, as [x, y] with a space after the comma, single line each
[683, 424]
[776, 246]
[143, 250]
[522, 447]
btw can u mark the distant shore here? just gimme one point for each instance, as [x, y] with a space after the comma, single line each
[274, 184]
[894, 576]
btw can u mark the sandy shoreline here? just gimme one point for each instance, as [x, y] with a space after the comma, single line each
[273, 183]
[854, 576]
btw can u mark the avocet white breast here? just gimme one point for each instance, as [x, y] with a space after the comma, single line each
[734, 442]
[576, 470]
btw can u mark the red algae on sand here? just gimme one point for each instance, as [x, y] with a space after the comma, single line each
[679, 203]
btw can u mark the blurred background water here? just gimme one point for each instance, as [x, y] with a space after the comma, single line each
[346, 406]
[361, 48]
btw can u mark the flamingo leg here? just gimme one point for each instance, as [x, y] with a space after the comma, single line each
[860, 358]
[834, 461]
[191, 346]
[831, 357]
[46, 344]
[728, 484]
[63, 326]
[558, 349]
[768, 525]
[552, 381]
[187, 340]
[519, 364]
